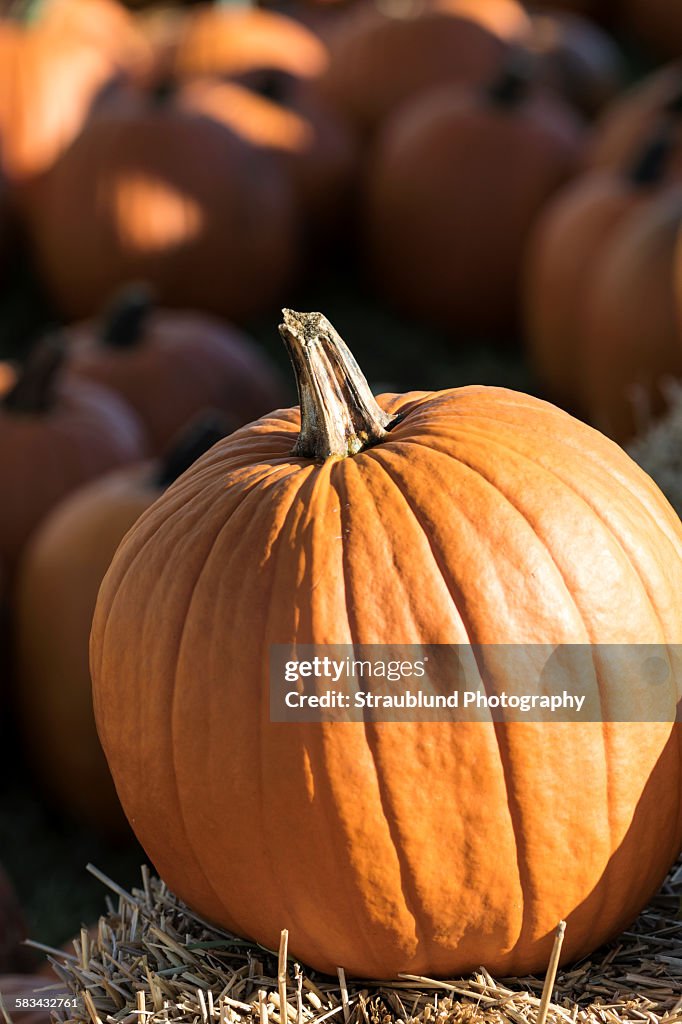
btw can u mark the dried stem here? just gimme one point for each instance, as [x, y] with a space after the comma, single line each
[339, 414]
[33, 393]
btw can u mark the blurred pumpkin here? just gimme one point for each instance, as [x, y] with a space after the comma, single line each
[626, 124]
[234, 41]
[53, 70]
[632, 344]
[475, 516]
[655, 25]
[57, 587]
[12, 928]
[383, 54]
[456, 181]
[155, 190]
[564, 250]
[275, 114]
[170, 365]
[577, 58]
[56, 432]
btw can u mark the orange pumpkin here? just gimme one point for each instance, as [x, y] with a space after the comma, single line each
[155, 190]
[564, 251]
[56, 588]
[56, 432]
[52, 73]
[577, 58]
[632, 342]
[169, 366]
[12, 929]
[438, 246]
[384, 54]
[627, 123]
[474, 515]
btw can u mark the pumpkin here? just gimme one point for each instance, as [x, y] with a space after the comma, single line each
[237, 41]
[473, 515]
[276, 115]
[52, 72]
[154, 190]
[564, 250]
[56, 589]
[438, 246]
[627, 123]
[169, 366]
[654, 24]
[29, 986]
[384, 54]
[12, 930]
[577, 58]
[56, 432]
[631, 343]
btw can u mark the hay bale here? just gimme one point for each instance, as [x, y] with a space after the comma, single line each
[153, 960]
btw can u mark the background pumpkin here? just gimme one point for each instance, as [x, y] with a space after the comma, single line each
[53, 71]
[169, 365]
[383, 55]
[56, 433]
[56, 591]
[210, 220]
[483, 516]
[564, 250]
[654, 24]
[632, 341]
[438, 247]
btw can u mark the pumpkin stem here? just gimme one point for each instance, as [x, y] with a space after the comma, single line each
[339, 414]
[202, 433]
[33, 393]
[125, 320]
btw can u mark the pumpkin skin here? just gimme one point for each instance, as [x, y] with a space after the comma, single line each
[445, 846]
[627, 123]
[52, 74]
[564, 250]
[57, 586]
[169, 366]
[83, 430]
[631, 340]
[437, 247]
[178, 200]
[383, 55]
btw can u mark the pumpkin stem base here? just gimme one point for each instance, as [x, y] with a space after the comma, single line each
[339, 414]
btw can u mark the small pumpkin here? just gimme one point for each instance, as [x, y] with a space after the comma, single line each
[473, 515]
[56, 432]
[632, 345]
[56, 590]
[573, 232]
[155, 190]
[52, 72]
[438, 246]
[627, 122]
[577, 58]
[382, 54]
[170, 365]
